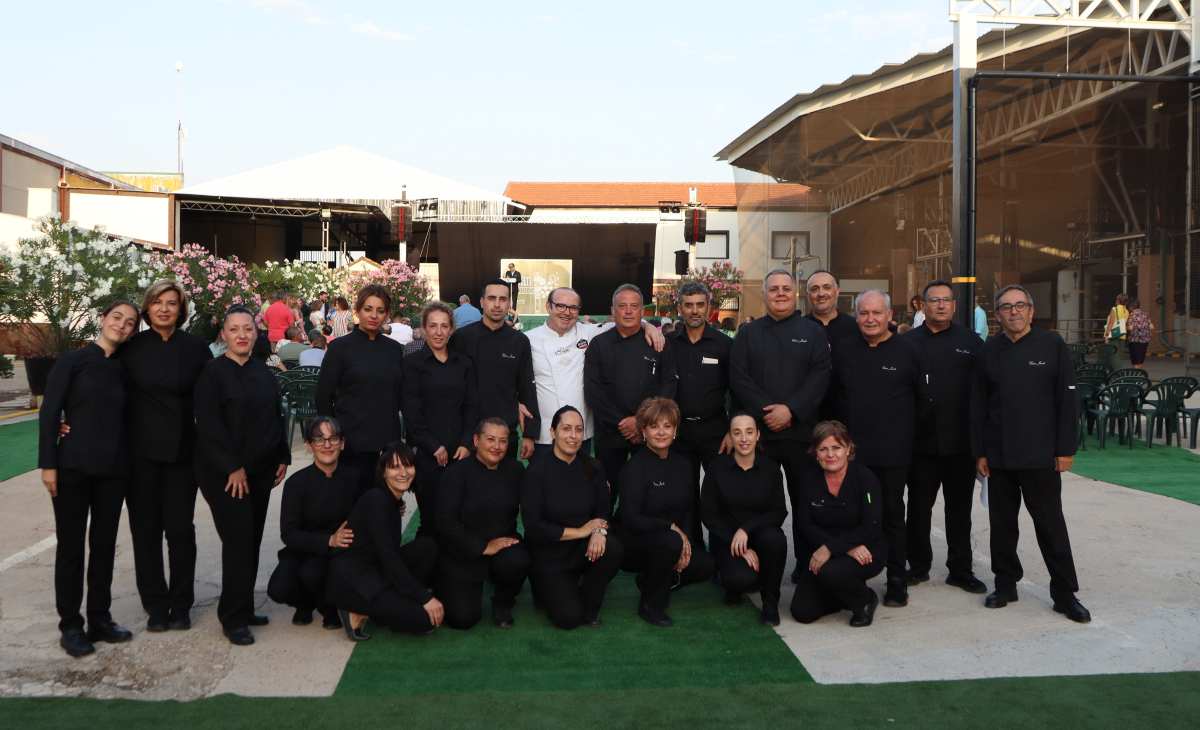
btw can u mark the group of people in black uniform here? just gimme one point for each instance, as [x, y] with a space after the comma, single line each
[850, 413]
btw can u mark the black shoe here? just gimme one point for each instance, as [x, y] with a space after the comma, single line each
[797, 572]
[259, 620]
[157, 624]
[76, 643]
[733, 598]
[1074, 610]
[352, 633]
[896, 594]
[180, 621]
[593, 621]
[968, 583]
[240, 636]
[865, 615]
[108, 632]
[1000, 599]
[302, 617]
[915, 578]
[660, 620]
[330, 621]
[502, 616]
[770, 614]
[676, 581]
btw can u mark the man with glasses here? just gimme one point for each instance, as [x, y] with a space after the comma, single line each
[1023, 435]
[942, 449]
[620, 370]
[778, 371]
[558, 349]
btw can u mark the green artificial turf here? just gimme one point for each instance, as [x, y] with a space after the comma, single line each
[711, 645]
[1119, 701]
[1166, 470]
[18, 448]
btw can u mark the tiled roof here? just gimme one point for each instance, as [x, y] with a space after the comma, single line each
[648, 194]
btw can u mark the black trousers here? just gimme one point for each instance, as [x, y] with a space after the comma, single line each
[425, 488]
[389, 608]
[463, 597]
[793, 456]
[653, 557]
[364, 463]
[699, 441]
[737, 577]
[239, 524]
[299, 581]
[573, 592]
[955, 475]
[162, 502]
[892, 480]
[1042, 491]
[613, 459]
[80, 496]
[840, 584]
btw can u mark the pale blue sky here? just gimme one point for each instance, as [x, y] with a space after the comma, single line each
[480, 92]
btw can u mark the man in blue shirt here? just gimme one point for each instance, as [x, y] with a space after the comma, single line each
[465, 314]
[981, 325]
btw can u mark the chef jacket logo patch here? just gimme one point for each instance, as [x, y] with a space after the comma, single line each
[581, 345]
[962, 352]
[508, 355]
[659, 483]
[1037, 363]
[800, 341]
[889, 368]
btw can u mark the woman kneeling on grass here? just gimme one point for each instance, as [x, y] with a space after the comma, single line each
[840, 515]
[378, 577]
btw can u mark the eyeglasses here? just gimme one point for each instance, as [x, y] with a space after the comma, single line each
[1017, 307]
[327, 442]
[560, 307]
[939, 300]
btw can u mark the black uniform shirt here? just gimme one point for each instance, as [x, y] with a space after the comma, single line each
[852, 518]
[314, 506]
[555, 495]
[703, 374]
[618, 374]
[781, 361]
[87, 390]
[476, 504]
[734, 498]
[160, 375]
[372, 563]
[239, 424]
[1023, 403]
[504, 372]
[875, 395]
[361, 384]
[944, 413]
[440, 405]
[840, 327]
[657, 492]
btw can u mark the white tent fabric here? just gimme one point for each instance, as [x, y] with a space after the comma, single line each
[341, 173]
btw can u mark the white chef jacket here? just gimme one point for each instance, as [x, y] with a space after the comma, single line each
[558, 372]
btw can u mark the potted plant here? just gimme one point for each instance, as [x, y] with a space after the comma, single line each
[52, 285]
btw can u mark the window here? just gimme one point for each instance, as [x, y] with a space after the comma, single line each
[786, 244]
[715, 246]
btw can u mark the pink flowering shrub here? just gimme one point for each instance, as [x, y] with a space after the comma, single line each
[410, 291]
[212, 283]
[723, 279]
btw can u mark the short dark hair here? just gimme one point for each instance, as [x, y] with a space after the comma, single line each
[393, 453]
[119, 303]
[236, 309]
[312, 427]
[1012, 287]
[490, 421]
[492, 282]
[373, 290]
[832, 275]
[628, 287]
[692, 288]
[557, 417]
[937, 282]
[837, 430]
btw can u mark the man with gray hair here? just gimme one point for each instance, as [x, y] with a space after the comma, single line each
[620, 371]
[876, 381]
[1024, 434]
[466, 313]
[778, 371]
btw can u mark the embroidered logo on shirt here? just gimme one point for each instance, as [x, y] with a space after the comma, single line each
[581, 345]
[508, 355]
[962, 352]
[1038, 363]
[891, 368]
[800, 341]
[659, 483]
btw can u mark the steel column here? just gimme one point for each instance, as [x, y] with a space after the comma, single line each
[962, 202]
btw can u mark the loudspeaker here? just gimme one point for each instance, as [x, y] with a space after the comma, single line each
[401, 224]
[695, 223]
[681, 261]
